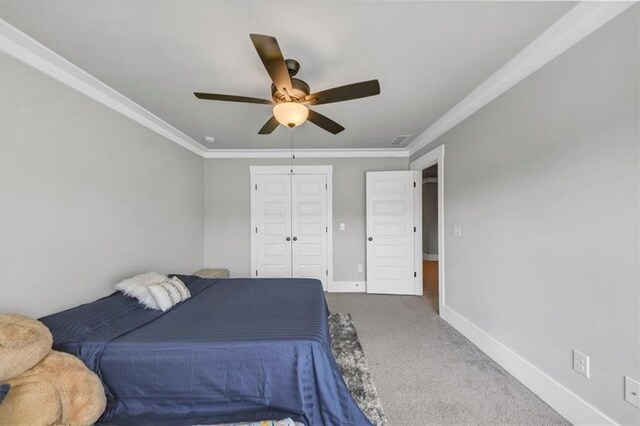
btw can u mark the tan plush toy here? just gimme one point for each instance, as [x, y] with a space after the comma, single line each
[47, 387]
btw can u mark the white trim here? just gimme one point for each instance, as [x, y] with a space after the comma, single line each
[306, 153]
[569, 405]
[24, 48]
[578, 23]
[417, 233]
[430, 257]
[280, 170]
[329, 173]
[436, 156]
[348, 287]
[285, 170]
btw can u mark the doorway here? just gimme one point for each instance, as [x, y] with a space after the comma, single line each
[431, 166]
[430, 234]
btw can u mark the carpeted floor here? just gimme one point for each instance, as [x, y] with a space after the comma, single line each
[426, 373]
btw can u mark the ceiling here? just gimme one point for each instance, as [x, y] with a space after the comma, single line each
[426, 55]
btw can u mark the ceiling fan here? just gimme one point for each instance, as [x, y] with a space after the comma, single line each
[292, 96]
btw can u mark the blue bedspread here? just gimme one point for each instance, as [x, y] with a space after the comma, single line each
[238, 350]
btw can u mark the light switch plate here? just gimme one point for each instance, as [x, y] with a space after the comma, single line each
[457, 230]
[632, 391]
[342, 227]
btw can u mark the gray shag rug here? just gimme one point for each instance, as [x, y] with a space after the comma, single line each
[348, 352]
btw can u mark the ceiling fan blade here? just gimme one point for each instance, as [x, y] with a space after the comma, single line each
[231, 98]
[269, 126]
[273, 61]
[345, 93]
[324, 122]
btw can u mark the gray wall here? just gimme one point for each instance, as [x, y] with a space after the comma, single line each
[545, 183]
[88, 197]
[228, 213]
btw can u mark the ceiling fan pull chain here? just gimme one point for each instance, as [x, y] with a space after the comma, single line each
[293, 156]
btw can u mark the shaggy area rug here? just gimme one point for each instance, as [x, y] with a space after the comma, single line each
[348, 353]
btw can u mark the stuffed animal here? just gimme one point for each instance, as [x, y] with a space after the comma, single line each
[45, 387]
[24, 342]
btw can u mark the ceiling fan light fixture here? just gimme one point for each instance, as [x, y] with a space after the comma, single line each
[290, 114]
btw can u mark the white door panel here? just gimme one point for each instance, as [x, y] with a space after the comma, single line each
[309, 226]
[390, 232]
[271, 201]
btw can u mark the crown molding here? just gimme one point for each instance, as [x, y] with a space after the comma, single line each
[575, 25]
[306, 153]
[24, 48]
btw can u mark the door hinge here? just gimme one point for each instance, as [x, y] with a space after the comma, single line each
[414, 184]
[414, 229]
[326, 272]
[256, 229]
[256, 186]
[415, 275]
[256, 272]
[326, 229]
[326, 186]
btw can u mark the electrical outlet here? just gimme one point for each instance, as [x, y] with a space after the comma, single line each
[457, 230]
[632, 391]
[581, 363]
[360, 268]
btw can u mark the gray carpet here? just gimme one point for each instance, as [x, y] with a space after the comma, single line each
[427, 373]
[355, 370]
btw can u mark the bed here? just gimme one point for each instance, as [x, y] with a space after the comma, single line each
[237, 350]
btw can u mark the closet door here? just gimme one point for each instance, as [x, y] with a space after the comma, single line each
[271, 206]
[309, 227]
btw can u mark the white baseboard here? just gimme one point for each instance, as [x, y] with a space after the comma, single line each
[348, 287]
[561, 399]
[431, 257]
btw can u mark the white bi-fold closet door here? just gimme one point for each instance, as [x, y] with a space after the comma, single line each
[289, 215]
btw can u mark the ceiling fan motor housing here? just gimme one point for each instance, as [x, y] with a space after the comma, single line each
[300, 91]
[300, 88]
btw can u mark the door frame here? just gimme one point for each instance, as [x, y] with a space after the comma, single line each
[300, 170]
[435, 156]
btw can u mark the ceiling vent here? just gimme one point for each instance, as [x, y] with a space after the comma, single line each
[400, 140]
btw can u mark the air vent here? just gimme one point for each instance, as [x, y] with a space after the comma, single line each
[400, 140]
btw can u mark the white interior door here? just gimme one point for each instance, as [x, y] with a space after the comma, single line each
[271, 207]
[391, 259]
[309, 226]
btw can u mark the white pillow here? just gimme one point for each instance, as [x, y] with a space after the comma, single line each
[184, 291]
[166, 294]
[138, 287]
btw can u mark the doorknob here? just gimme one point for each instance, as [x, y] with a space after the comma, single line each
[288, 239]
[370, 238]
[295, 238]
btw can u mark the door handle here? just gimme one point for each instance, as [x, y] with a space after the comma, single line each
[295, 238]
[370, 238]
[288, 239]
